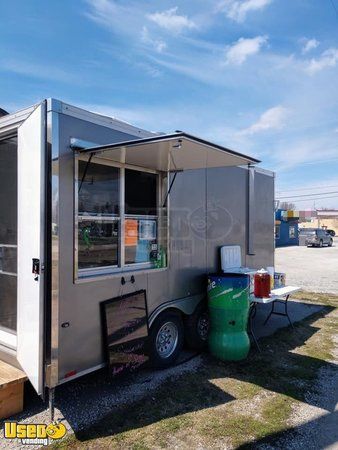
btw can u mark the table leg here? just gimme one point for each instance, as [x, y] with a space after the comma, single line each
[276, 313]
[252, 314]
[286, 310]
[271, 312]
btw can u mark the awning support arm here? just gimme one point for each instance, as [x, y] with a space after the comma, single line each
[85, 172]
[169, 190]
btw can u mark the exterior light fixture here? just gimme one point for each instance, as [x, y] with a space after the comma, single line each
[179, 144]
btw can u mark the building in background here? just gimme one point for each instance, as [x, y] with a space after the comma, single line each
[286, 227]
[320, 218]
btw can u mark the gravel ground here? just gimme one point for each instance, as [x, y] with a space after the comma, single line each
[313, 269]
[316, 421]
[86, 401]
[316, 270]
[317, 426]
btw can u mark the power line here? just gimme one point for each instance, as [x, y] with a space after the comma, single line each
[310, 199]
[307, 189]
[308, 195]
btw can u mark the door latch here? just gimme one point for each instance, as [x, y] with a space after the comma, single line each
[36, 268]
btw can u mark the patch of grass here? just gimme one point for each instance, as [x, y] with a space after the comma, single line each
[237, 388]
[240, 428]
[67, 442]
[234, 427]
[276, 411]
[318, 298]
[174, 424]
[140, 446]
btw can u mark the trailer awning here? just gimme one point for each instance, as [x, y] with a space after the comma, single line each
[170, 152]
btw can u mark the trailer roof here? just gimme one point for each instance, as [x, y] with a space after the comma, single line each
[170, 152]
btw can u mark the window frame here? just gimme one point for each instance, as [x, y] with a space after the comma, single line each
[292, 232]
[85, 273]
[277, 231]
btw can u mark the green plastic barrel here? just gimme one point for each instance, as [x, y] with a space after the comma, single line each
[228, 301]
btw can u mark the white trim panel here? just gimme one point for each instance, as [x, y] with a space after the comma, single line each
[31, 199]
[8, 339]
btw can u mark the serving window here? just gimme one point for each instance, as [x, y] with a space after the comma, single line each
[98, 215]
[119, 221]
[140, 217]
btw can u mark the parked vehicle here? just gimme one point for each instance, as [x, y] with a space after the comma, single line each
[316, 237]
[331, 232]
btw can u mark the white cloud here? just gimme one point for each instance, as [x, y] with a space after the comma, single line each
[238, 9]
[272, 119]
[309, 44]
[171, 21]
[120, 18]
[329, 58]
[38, 70]
[304, 152]
[238, 52]
[158, 44]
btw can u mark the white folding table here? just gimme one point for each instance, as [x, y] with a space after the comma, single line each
[279, 295]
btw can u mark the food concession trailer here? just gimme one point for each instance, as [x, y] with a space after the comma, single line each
[93, 208]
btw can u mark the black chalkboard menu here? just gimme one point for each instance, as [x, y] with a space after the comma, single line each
[125, 331]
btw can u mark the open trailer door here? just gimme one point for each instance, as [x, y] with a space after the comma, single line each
[31, 237]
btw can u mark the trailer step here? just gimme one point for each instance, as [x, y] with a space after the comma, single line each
[11, 390]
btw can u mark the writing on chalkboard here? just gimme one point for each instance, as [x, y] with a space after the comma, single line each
[125, 331]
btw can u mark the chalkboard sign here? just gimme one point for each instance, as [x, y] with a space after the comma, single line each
[125, 330]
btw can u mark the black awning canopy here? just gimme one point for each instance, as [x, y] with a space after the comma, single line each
[170, 152]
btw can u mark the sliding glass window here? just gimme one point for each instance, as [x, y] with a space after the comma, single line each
[98, 215]
[141, 217]
[117, 219]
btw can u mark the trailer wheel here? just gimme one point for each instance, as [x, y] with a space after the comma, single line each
[166, 339]
[197, 328]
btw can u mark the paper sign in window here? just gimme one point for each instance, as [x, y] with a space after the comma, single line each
[148, 230]
[131, 232]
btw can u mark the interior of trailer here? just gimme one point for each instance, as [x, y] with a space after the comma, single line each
[8, 239]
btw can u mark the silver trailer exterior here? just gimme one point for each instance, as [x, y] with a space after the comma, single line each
[58, 335]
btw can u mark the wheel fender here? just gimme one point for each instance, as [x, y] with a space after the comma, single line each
[186, 306]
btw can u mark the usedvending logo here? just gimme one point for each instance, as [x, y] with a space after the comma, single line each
[34, 434]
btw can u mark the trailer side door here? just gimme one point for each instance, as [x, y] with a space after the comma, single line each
[31, 237]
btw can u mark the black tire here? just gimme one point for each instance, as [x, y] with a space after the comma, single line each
[321, 243]
[330, 243]
[168, 320]
[196, 333]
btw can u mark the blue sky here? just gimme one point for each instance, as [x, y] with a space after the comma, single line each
[259, 76]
